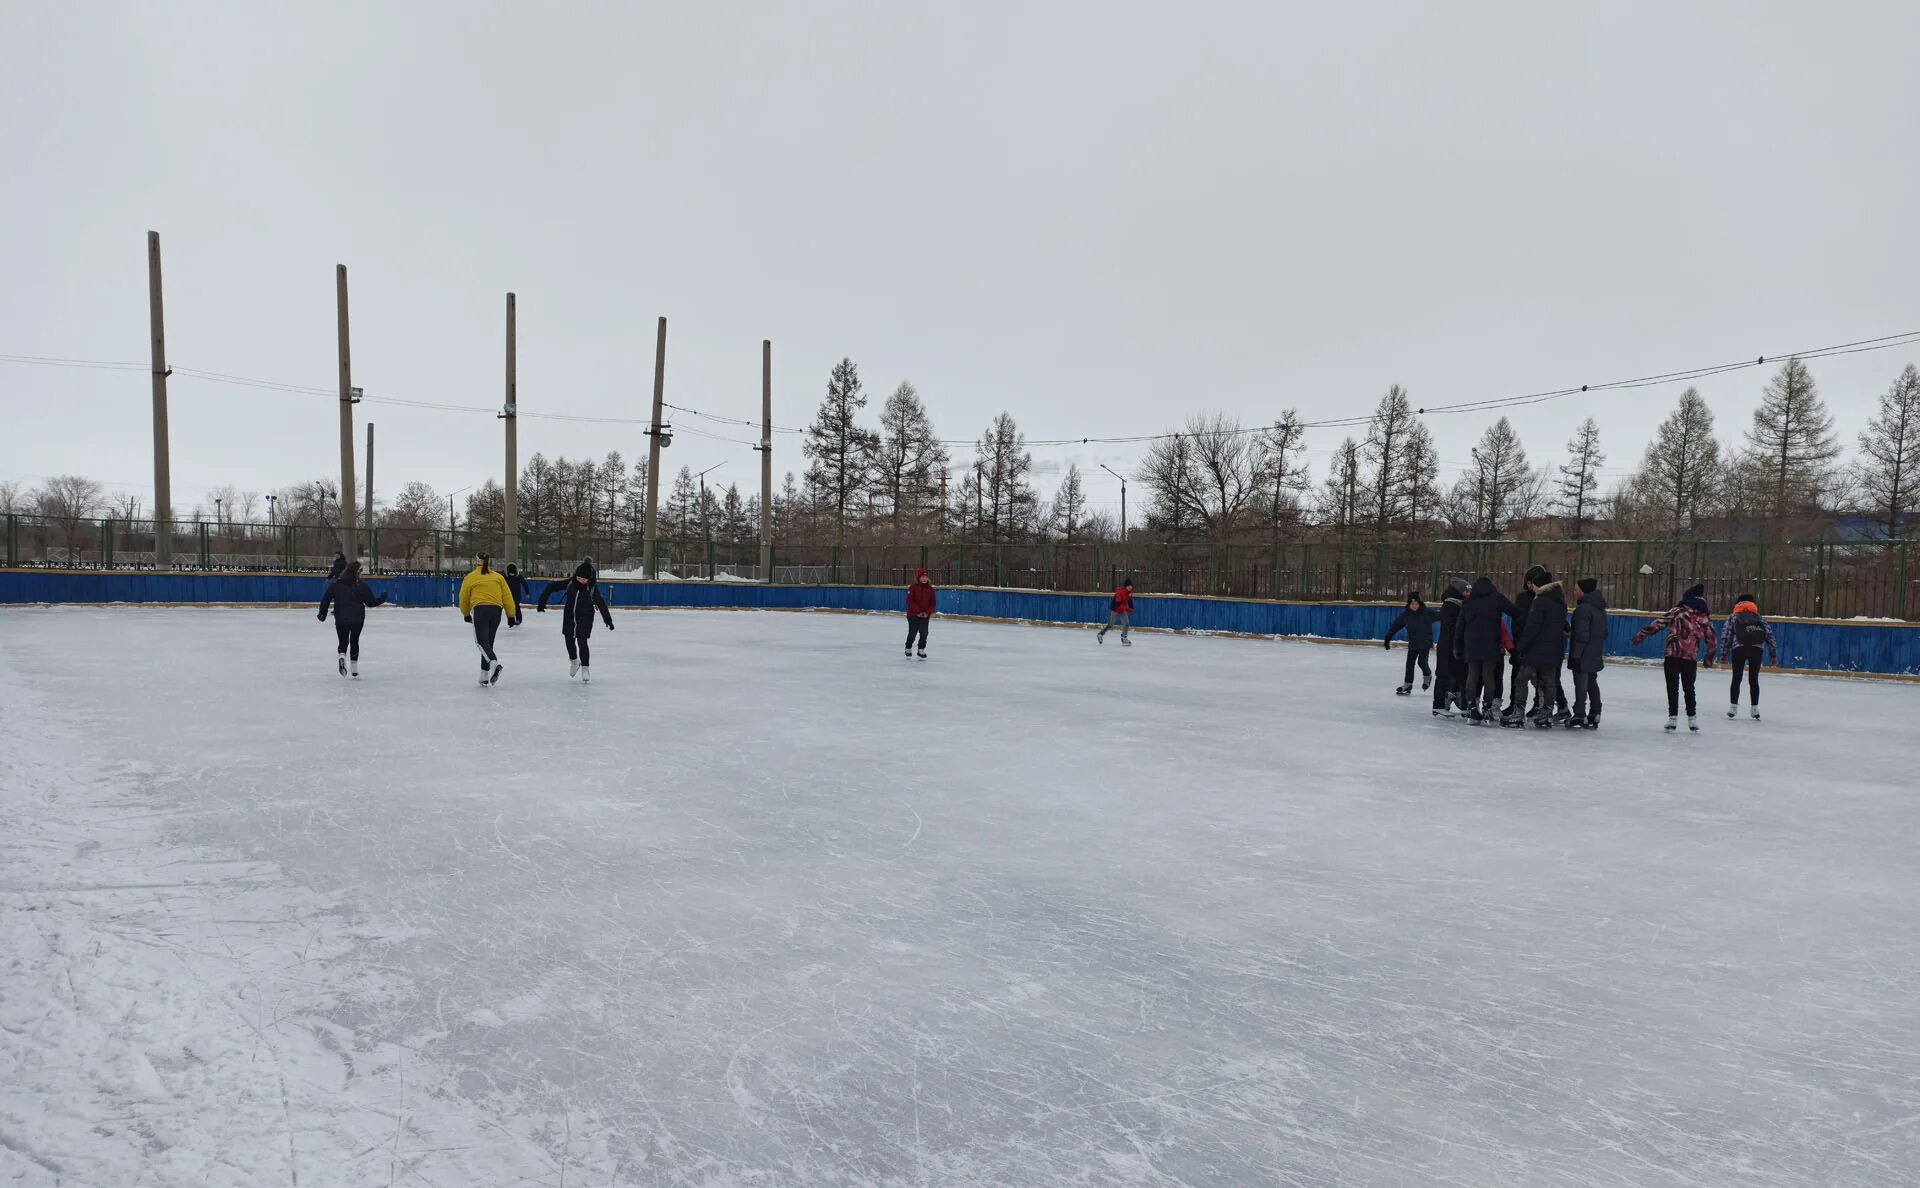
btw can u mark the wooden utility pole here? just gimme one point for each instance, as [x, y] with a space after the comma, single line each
[654, 442]
[346, 415]
[369, 521]
[511, 415]
[766, 460]
[162, 465]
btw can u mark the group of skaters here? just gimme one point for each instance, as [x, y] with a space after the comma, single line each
[1487, 639]
[488, 598]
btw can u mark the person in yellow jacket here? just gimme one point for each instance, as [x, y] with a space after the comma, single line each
[485, 598]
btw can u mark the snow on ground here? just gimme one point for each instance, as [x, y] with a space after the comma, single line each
[767, 904]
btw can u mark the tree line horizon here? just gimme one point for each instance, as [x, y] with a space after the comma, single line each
[1213, 479]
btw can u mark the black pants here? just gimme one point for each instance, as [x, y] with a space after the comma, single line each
[1449, 675]
[1680, 674]
[1483, 684]
[1548, 694]
[917, 627]
[486, 625]
[1586, 693]
[1420, 658]
[577, 647]
[1746, 659]
[349, 638]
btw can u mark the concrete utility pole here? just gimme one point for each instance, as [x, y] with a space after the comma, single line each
[369, 484]
[162, 467]
[766, 460]
[511, 415]
[943, 503]
[1123, 509]
[655, 439]
[346, 415]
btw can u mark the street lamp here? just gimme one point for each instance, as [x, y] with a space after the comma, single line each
[1123, 499]
[706, 521]
[273, 511]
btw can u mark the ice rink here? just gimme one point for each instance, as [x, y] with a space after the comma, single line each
[767, 904]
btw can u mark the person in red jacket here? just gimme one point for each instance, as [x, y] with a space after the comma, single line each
[1120, 611]
[921, 600]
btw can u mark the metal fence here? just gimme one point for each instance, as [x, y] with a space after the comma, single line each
[1815, 579]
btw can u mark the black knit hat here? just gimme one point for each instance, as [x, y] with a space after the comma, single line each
[1588, 585]
[1539, 575]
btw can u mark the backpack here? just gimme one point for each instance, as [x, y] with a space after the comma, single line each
[1749, 630]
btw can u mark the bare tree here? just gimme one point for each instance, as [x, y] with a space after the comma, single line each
[125, 506]
[1282, 468]
[70, 501]
[486, 515]
[1006, 499]
[842, 452]
[1888, 471]
[1069, 505]
[1382, 452]
[13, 497]
[1499, 485]
[1789, 468]
[1208, 475]
[1419, 477]
[1681, 473]
[1342, 493]
[907, 458]
[1579, 486]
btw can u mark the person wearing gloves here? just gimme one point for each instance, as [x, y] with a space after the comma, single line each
[1119, 610]
[1588, 654]
[1417, 621]
[577, 606]
[1689, 628]
[922, 600]
[349, 597]
[485, 599]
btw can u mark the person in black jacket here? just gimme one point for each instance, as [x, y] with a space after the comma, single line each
[339, 566]
[1417, 621]
[1542, 645]
[1452, 673]
[1589, 653]
[1477, 643]
[517, 582]
[576, 618]
[349, 597]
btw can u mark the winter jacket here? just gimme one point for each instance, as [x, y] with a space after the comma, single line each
[1589, 652]
[921, 600]
[517, 582]
[1543, 633]
[1477, 638]
[339, 567]
[578, 603]
[1122, 600]
[349, 598]
[1417, 621]
[1745, 612]
[1689, 632]
[487, 589]
[1450, 618]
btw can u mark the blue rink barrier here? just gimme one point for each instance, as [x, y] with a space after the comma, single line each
[1891, 649]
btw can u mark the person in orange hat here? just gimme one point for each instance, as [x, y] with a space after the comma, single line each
[921, 601]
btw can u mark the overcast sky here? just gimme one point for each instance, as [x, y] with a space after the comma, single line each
[1099, 217]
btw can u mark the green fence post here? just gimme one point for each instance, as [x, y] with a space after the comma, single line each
[1900, 584]
[106, 543]
[996, 566]
[710, 561]
[833, 570]
[1760, 574]
[206, 546]
[13, 541]
[1639, 562]
[1820, 579]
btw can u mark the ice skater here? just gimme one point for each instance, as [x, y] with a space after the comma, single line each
[1452, 674]
[518, 584]
[339, 565]
[1743, 636]
[1480, 642]
[1418, 623]
[576, 615]
[1689, 628]
[1589, 653]
[1541, 650]
[922, 599]
[1119, 610]
[349, 597]
[485, 598]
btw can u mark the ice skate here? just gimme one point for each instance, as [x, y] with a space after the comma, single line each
[1756, 713]
[1733, 711]
[1426, 681]
[1577, 722]
[573, 667]
[1125, 642]
[923, 655]
[343, 666]
[1693, 724]
[353, 669]
[497, 669]
[1562, 716]
[907, 655]
[1593, 720]
[1099, 637]
[1673, 723]
[484, 673]
[586, 675]
[1404, 690]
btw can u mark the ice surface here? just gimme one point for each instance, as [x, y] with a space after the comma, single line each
[768, 904]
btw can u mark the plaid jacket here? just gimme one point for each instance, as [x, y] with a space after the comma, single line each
[1689, 633]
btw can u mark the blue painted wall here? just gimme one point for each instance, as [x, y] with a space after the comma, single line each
[1828, 646]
